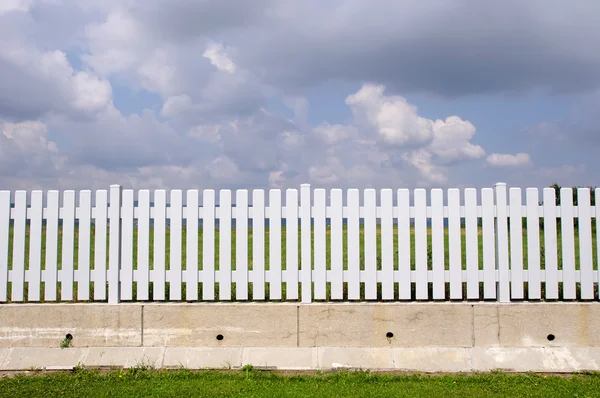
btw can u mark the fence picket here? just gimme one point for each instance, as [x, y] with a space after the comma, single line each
[353, 244]
[337, 245]
[586, 265]
[455, 244]
[275, 244]
[533, 244]
[421, 255]
[370, 239]
[516, 244]
[291, 244]
[241, 245]
[320, 240]
[83, 257]
[437, 244]
[489, 252]
[550, 247]
[568, 243]
[224, 244]
[191, 245]
[305, 244]
[18, 265]
[175, 239]
[35, 247]
[258, 245]
[404, 246]
[68, 244]
[99, 276]
[387, 244]
[597, 196]
[159, 215]
[143, 249]
[126, 274]
[4, 243]
[208, 244]
[472, 243]
[501, 244]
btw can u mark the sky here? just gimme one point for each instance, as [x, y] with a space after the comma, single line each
[235, 94]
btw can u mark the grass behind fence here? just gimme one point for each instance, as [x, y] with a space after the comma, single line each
[199, 266]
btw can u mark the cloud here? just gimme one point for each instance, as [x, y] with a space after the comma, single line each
[7, 6]
[508, 160]
[217, 55]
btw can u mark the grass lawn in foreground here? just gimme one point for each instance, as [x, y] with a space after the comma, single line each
[253, 383]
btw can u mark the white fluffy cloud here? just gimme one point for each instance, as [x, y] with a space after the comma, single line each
[217, 55]
[508, 160]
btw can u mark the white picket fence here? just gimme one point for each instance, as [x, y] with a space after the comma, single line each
[455, 265]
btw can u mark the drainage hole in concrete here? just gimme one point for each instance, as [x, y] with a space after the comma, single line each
[389, 335]
[69, 336]
[219, 337]
[551, 337]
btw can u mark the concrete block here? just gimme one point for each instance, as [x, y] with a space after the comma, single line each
[531, 325]
[126, 357]
[296, 358]
[486, 327]
[355, 357]
[432, 359]
[26, 358]
[549, 359]
[366, 325]
[198, 325]
[46, 325]
[203, 358]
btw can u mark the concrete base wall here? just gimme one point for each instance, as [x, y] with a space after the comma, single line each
[410, 336]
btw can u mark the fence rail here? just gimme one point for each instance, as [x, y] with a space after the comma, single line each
[298, 245]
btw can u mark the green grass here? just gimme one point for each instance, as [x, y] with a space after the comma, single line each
[253, 383]
[217, 260]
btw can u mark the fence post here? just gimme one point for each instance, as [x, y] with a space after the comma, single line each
[501, 233]
[306, 243]
[114, 245]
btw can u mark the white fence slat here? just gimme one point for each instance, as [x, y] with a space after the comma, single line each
[337, 245]
[501, 244]
[100, 236]
[387, 244]
[516, 244]
[4, 240]
[488, 236]
[224, 244]
[275, 244]
[568, 243]
[370, 239]
[126, 274]
[454, 244]
[208, 244]
[68, 245]
[421, 266]
[550, 246]
[83, 257]
[533, 244]
[18, 265]
[175, 240]
[353, 244]
[143, 249]
[437, 244]
[114, 243]
[258, 244]
[241, 245]
[291, 244]
[586, 265]
[472, 243]
[404, 247]
[306, 246]
[320, 241]
[159, 215]
[35, 246]
[597, 196]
